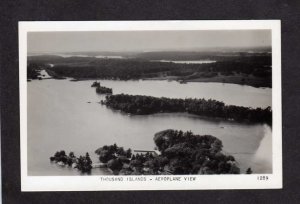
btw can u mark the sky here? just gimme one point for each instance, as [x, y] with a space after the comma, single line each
[139, 41]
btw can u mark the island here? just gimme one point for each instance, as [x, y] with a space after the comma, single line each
[82, 163]
[101, 89]
[95, 84]
[141, 105]
[179, 153]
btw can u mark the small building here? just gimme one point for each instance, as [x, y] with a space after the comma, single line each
[155, 153]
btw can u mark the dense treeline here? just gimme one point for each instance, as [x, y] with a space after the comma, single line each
[219, 55]
[115, 157]
[137, 68]
[187, 153]
[181, 153]
[82, 163]
[137, 104]
[107, 153]
[33, 71]
[131, 69]
[112, 69]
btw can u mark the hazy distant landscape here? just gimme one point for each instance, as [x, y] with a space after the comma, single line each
[147, 111]
[238, 67]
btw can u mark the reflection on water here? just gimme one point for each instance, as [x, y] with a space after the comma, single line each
[262, 160]
[60, 118]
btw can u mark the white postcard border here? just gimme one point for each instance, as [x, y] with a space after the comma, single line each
[92, 183]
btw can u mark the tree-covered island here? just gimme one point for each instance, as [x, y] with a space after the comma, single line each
[180, 153]
[140, 105]
[101, 89]
[82, 163]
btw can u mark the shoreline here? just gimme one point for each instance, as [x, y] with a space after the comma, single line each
[136, 105]
[236, 81]
[191, 115]
[250, 81]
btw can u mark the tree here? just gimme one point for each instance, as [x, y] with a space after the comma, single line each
[71, 154]
[249, 171]
[88, 159]
[84, 163]
[115, 164]
[128, 153]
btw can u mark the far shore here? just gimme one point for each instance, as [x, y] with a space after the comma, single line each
[236, 79]
[239, 79]
[249, 81]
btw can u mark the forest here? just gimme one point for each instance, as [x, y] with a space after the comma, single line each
[141, 105]
[180, 153]
[245, 67]
[33, 71]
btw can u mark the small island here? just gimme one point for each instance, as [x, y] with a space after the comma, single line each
[82, 163]
[141, 105]
[101, 89]
[95, 84]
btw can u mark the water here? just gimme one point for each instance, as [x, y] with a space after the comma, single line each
[235, 94]
[71, 55]
[188, 61]
[60, 118]
[109, 57]
[64, 55]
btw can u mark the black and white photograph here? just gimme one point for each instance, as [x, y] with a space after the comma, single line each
[126, 102]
